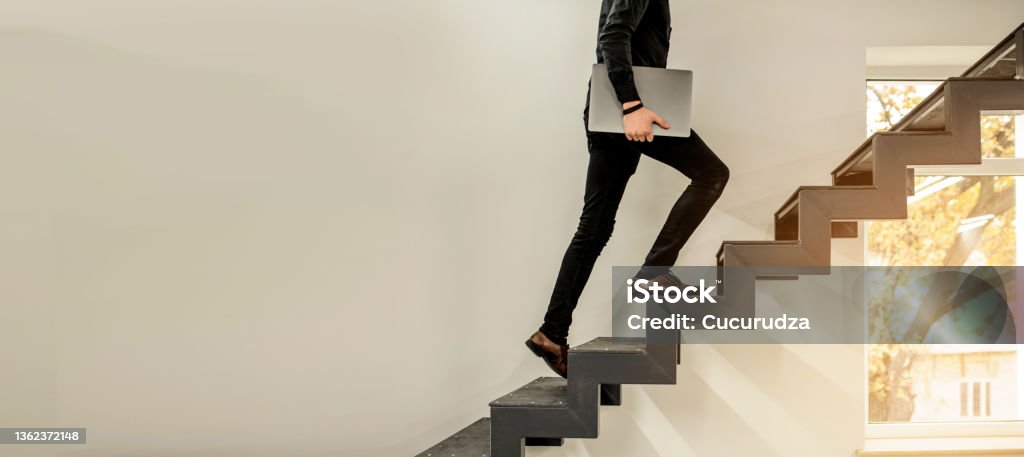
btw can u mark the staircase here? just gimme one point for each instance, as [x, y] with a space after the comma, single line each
[546, 410]
[871, 184]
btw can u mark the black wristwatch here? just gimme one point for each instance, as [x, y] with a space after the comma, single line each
[632, 109]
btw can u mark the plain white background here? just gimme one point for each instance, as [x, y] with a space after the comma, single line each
[324, 228]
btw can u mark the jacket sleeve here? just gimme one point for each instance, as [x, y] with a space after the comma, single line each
[615, 39]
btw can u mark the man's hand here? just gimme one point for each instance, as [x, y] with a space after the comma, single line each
[638, 123]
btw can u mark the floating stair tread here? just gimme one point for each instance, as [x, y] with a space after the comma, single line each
[472, 441]
[547, 392]
[913, 133]
[929, 107]
[721, 248]
[606, 345]
[791, 202]
[984, 78]
[765, 242]
[924, 109]
[858, 160]
[858, 156]
[999, 54]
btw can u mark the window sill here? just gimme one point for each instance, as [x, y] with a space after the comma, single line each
[975, 446]
[978, 439]
[937, 452]
[966, 435]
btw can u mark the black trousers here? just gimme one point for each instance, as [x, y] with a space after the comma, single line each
[613, 159]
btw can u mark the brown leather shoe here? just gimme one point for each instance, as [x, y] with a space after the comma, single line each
[665, 280]
[557, 357]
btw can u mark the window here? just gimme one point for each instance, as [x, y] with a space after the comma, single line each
[975, 399]
[957, 216]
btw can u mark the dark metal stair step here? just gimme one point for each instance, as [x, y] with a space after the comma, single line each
[472, 441]
[614, 361]
[611, 345]
[540, 393]
[787, 218]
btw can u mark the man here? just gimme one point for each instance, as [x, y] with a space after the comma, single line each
[630, 32]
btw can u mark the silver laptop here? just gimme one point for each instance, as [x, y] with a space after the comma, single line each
[667, 92]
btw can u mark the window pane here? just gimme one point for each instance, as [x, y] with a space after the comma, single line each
[963, 399]
[998, 136]
[977, 399]
[988, 398]
[951, 220]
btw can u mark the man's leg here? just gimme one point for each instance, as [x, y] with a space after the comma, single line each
[612, 162]
[708, 177]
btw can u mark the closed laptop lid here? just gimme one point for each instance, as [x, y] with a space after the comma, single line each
[664, 91]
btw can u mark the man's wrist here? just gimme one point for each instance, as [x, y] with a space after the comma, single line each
[630, 104]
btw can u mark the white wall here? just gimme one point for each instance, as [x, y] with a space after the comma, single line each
[311, 228]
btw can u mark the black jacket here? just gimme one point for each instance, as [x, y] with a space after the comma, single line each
[632, 32]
